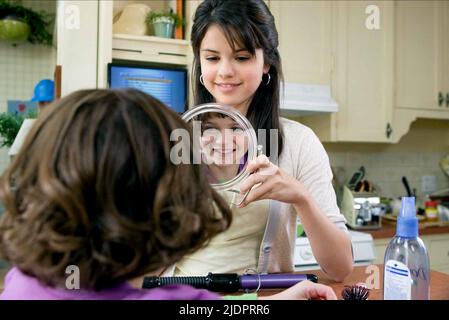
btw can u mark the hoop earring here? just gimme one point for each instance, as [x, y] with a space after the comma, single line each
[201, 80]
[269, 79]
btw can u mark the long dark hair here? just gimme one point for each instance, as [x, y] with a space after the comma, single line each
[250, 24]
[94, 186]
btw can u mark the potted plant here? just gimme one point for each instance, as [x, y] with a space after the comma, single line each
[18, 24]
[164, 22]
[10, 124]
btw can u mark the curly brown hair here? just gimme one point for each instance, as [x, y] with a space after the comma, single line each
[93, 186]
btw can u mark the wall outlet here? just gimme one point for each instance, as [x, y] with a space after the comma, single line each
[428, 184]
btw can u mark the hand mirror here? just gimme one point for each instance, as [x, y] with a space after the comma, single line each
[227, 142]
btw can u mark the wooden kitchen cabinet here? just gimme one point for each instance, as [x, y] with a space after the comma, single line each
[421, 36]
[422, 62]
[383, 79]
[304, 29]
[436, 244]
[84, 42]
[362, 77]
[77, 44]
[150, 49]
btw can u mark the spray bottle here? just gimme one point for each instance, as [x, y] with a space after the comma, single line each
[406, 263]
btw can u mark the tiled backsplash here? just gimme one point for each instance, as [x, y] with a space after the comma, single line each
[417, 154]
[386, 170]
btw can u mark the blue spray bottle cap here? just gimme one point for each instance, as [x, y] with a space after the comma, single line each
[407, 224]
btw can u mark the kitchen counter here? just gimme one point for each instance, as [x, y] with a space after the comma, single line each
[389, 230]
[436, 240]
[439, 283]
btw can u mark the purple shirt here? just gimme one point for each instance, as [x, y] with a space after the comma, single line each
[19, 286]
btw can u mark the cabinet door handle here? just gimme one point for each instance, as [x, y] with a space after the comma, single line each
[440, 99]
[389, 130]
[447, 100]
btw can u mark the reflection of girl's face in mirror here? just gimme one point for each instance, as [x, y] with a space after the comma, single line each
[223, 141]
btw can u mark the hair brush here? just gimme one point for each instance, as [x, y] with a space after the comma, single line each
[355, 292]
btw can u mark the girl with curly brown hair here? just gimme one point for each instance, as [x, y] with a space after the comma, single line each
[93, 187]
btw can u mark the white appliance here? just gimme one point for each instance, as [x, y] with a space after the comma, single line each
[362, 244]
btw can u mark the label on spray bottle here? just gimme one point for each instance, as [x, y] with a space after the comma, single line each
[397, 281]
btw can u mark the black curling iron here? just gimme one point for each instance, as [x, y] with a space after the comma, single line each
[231, 282]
